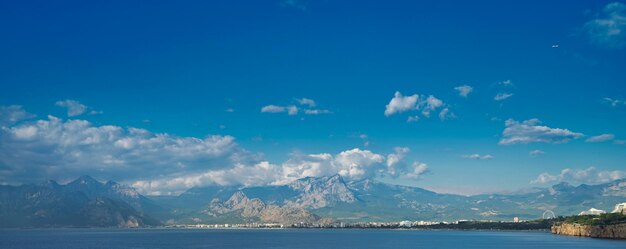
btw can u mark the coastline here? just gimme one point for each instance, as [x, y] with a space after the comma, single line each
[614, 231]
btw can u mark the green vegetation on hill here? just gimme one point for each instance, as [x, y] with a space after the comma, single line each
[597, 220]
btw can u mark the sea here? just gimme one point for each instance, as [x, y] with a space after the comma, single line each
[290, 238]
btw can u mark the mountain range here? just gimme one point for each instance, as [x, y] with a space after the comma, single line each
[86, 202]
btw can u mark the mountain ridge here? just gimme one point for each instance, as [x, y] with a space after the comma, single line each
[89, 202]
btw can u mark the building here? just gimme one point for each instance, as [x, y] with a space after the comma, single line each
[406, 223]
[516, 219]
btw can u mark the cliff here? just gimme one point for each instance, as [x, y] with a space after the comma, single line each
[615, 231]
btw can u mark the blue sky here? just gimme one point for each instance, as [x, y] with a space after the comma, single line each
[188, 70]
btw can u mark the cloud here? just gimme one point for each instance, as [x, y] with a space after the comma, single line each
[290, 110]
[432, 103]
[613, 102]
[273, 109]
[530, 131]
[365, 139]
[600, 138]
[609, 28]
[353, 164]
[419, 169]
[478, 157]
[75, 108]
[502, 96]
[305, 101]
[445, 114]
[535, 153]
[56, 148]
[395, 160]
[357, 164]
[506, 83]
[464, 90]
[10, 115]
[399, 104]
[316, 111]
[161, 163]
[397, 167]
[261, 173]
[412, 119]
[294, 110]
[415, 102]
[589, 175]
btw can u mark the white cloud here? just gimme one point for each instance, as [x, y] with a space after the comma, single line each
[412, 119]
[365, 139]
[530, 131]
[290, 109]
[160, 163]
[55, 149]
[445, 114]
[399, 104]
[261, 173]
[478, 156]
[506, 83]
[589, 175]
[305, 101]
[418, 170]
[10, 115]
[293, 110]
[613, 102]
[273, 109]
[432, 103]
[464, 90]
[415, 102]
[395, 160]
[609, 28]
[397, 167]
[75, 108]
[351, 164]
[535, 153]
[502, 96]
[600, 138]
[357, 164]
[316, 111]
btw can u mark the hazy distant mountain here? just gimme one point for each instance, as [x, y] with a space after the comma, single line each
[371, 200]
[83, 202]
[87, 202]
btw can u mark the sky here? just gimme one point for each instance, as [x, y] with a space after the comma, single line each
[454, 96]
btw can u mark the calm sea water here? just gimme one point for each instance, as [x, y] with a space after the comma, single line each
[290, 238]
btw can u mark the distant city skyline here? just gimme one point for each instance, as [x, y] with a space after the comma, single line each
[483, 97]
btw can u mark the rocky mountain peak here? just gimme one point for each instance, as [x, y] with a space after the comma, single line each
[238, 201]
[122, 190]
[85, 180]
[321, 192]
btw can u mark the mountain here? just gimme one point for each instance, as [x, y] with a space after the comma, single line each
[255, 210]
[84, 202]
[563, 199]
[88, 202]
[372, 200]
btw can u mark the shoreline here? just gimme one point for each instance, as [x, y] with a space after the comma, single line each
[254, 228]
